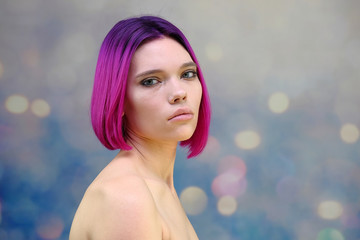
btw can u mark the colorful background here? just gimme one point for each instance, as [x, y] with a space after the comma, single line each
[283, 159]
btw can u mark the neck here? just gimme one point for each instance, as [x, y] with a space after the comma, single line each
[158, 158]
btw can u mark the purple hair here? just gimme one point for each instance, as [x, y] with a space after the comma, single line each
[116, 52]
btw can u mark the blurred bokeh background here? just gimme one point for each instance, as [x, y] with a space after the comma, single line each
[283, 159]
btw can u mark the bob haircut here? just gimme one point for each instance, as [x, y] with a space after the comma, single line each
[115, 55]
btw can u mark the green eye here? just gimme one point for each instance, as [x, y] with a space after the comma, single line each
[149, 82]
[190, 74]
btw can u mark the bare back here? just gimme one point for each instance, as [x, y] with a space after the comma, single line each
[124, 203]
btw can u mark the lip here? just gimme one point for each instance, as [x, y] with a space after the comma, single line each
[181, 114]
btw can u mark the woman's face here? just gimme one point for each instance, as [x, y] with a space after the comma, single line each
[163, 92]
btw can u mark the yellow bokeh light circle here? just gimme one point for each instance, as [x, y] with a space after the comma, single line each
[194, 200]
[330, 210]
[227, 205]
[349, 133]
[247, 139]
[17, 104]
[278, 102]
[214, 51]
[40, 108]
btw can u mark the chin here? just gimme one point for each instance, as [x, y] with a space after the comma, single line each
[184, 138]
[178, 134]
[185, 135]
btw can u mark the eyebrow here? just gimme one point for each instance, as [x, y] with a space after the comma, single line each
[152, 71]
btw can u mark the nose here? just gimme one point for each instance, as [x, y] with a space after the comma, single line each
[177, 93]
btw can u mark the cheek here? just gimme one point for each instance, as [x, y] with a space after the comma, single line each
[135, 110]
[135, 117]
[197, 94]
[141, 110]
[134, 101]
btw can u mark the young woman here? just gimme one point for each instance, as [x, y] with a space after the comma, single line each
[148, 96]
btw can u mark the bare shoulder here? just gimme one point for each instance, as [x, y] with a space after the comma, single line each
[118, 207]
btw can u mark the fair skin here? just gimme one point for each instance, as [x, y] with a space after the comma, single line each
[134, 196]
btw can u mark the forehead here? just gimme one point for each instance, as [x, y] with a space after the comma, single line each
[159, 53]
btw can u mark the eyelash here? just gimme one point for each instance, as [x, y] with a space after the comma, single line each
[148, 82]
[190, 71]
